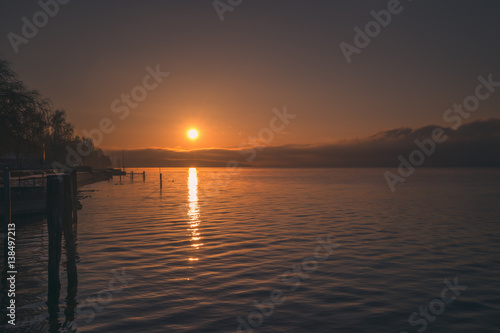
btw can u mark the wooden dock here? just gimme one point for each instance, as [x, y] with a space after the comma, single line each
[29, 193]
[60, 195]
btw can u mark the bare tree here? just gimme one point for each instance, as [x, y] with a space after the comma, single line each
[29, 126]
[23, 116]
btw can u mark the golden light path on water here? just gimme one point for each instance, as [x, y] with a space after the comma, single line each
[194, 210]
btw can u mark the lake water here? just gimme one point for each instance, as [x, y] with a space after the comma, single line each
[204, 255]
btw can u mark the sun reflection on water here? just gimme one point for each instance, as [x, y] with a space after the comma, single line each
[194, 210]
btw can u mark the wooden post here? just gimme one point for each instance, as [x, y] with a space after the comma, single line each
[74, 183]
[161, 182]
[7, 198]
[74, 194]
[59, 222]
[6, 211]
[144, 175]
[132, 175]
[55, 216]
[67, 227]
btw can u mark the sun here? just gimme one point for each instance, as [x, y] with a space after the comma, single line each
[193, 134]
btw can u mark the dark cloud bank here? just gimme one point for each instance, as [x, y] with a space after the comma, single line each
[476, 144]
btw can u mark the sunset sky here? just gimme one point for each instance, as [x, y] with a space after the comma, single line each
[225, 77]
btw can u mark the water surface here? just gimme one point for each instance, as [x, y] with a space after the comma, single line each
[212, 246]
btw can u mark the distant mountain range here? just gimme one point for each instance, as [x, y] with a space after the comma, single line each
[476, 144]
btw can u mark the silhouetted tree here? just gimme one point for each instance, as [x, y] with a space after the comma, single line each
[23, 116]
[60, 134]
[29, 126]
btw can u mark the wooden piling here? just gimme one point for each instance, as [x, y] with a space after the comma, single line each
[55, 216]
[7, 197]
[74, 183]
[67, 227]
[74, 194]
[161, 181]
[131, 175]
[7, 211]
[59, 221]
[144, 175]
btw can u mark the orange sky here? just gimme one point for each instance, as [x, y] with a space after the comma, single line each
[226, 77]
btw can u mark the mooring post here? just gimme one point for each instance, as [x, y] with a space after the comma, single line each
[144, 175]
[74, 183]
[161, 181]
[6, 211]
[56, 200]
[67, 227]
[74, 194]
[131, 175]
[7, 199]
[59, 222]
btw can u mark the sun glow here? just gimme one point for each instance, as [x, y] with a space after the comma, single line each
[192, 134]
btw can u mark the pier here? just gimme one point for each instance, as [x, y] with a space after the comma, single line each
[28, 189]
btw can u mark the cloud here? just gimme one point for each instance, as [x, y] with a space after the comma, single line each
[473, 144]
